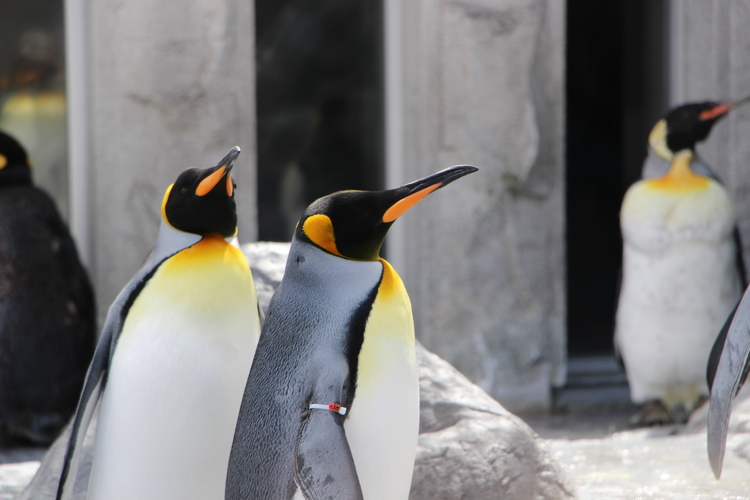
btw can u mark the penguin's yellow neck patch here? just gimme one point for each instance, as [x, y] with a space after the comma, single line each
[390, 283]
[319, 229]
[3, 161]
[209, 280]
[210, 247]
[680, 177]
[657, 139]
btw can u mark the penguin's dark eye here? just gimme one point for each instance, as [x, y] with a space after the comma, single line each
[183, 190]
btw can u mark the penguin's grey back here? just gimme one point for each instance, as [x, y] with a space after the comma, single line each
[306, 354]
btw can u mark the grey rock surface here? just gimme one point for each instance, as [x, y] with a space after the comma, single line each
[483, 85]
[471, 447]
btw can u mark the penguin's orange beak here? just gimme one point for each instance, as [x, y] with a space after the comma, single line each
[223, 170]
[415, 191]
[717, 111]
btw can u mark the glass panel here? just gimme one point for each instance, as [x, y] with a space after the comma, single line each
[32, 88]
[320, 104]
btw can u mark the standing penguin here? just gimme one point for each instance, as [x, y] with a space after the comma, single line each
[47, 313]
[173, 356]
[331, 406]
[680, 280]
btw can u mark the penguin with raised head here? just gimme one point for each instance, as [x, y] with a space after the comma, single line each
[683, 127]
[174, 355]
[680, 280]
[47, 311]
[331, 406]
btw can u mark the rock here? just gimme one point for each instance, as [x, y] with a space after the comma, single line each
[267, 261]
[469, 445]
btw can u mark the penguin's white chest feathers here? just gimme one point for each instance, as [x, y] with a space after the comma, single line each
[383, 425]
[679, 282]
[176, 380]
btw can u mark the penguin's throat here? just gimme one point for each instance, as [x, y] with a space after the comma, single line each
[680, 177]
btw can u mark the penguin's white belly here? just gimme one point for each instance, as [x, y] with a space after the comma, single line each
[679, 284]
[671, 309]
[383, 424]
[174, 389]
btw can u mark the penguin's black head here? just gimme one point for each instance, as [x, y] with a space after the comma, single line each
[353, 224]
[691, 123]
[201, 201]
[14, 162]
[686, 125]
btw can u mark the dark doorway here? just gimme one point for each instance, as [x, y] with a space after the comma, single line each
[616, 89]
[320, 104]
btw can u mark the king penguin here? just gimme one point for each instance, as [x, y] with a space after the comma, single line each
[680, 280]
[174, 355]
[331, 406]
[47, 311]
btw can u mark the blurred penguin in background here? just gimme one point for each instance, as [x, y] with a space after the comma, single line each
[682, 267]
[47, 312]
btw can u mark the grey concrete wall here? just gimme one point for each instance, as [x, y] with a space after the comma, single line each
[715, 53]
[171, 86]
[484, 259]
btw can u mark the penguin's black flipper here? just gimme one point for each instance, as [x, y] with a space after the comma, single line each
[92, 389]
[718, 347]
[730, 372]
[324, 463]
[96, 377]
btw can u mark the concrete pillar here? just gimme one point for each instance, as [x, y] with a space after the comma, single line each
[482, 84]
[712, 62]
[171, 86]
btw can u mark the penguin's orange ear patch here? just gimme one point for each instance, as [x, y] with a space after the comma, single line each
[319, 229]
[210, 182]
[401, 206]
[3, 161]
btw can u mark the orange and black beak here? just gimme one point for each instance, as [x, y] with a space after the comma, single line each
[412, 193]
[723, 108]
[221, 171]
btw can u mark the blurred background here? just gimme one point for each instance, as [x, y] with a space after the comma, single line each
[512, 274]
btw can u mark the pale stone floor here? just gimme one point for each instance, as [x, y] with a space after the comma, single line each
[606, 460]
[590, 437]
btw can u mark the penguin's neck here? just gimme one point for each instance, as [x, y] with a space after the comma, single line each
[680, 176]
